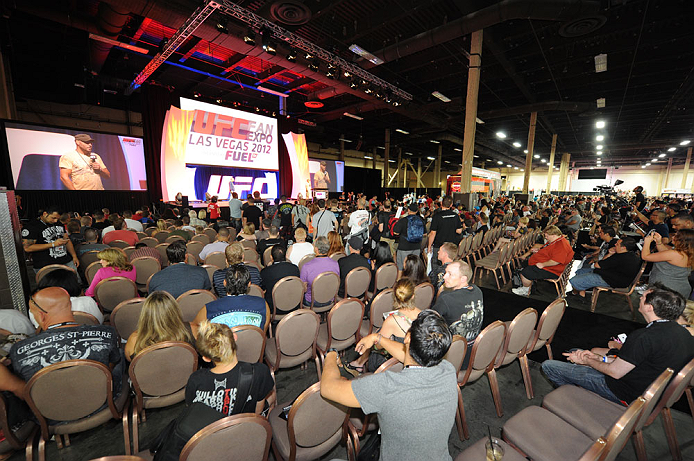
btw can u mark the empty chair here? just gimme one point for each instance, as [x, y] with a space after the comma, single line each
[306, 259]
[314, 426]
[543, 335]
[493, 262]
[125, 316]
[194, 247]
[543, 436]
[161, 236]
[210, 233]
[324, 291]
[51, 267]
[357, 282]
[242, 437]
[342, 328]
[73, 411]
[161, 248]
[201, 238]
[515, 346]
[145, 266]
[217, 259]
[250, 343]
[456, 355]
[294, 342]
[150, 242]
[385, 277]
[159, 374]
[119, 244]
[287, 295]
[382, 303]
[255, 290]
[423, 295]
[192, 301]
[114, 290]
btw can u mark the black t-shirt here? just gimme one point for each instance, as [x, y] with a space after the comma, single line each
[46, 233]
[273, 274]
[264, 244]
[544, 221]
[253, 215]
[218, 391]
[641, 200]
[619, 269]
[401, 229]
[660, 345]
[284, 212]
[383, 217]
[348, 263]
[463, 311]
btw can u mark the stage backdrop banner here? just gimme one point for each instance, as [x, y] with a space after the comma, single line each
[220, 136]
[298, 158]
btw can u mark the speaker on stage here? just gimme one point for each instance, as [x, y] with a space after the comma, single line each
[184, 201]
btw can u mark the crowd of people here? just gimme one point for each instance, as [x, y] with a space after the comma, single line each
[605, 239]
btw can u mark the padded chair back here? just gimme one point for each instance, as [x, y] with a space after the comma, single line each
[150, 242]
[194, 247]
[84, 318]
[485, 351]
[250, 343]
[161, 248]
[674, 391]
[190, 259]
[145, 267]
[173, 238]
[83, 386]
[267, 257]
[150, 230]
[88, 258]
[217, 259]
[386, 276]
[518, 335]
[324, 287]
[211, 268]
[126, 315]
[382, 303]
[313, 420]
[192, 301]
[344, 319]
[255, 290]
[161, 236]
[548, 324]
[618, 435]
[51, 267]
[297, 332]
[456, 353]
[239, 437]
[250, 255]
[287, 294]
[112, 291]
[211, 233]
[392, 364]
[161, 370]
[306, 259]
[128, 251]
[652, 397]
[201, 238]
[423, 295]
[89, 272]
[14, 439]
[119, 244]
[248, 243]
[337, 256]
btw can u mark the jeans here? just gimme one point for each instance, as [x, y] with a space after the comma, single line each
[560, 373]
[587, 281]
[584, 270]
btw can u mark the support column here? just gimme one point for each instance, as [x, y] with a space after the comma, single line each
[373, 160]
[551, 164]
[283, 106]
[419, 174]
[398, 177]
[342, 148]
[386, 156]
[437, 174]
[473, 87]
[563, 172]
[685, 172]
[405, 181]
[529, 155]
[667, 172]
[659, 189]
[7, 103]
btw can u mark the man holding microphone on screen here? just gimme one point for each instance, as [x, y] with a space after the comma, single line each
[82, 169]
[321, 179]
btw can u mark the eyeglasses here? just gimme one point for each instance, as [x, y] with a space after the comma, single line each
[37, 305]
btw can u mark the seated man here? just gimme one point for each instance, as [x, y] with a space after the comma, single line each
[237, 307]
[321, 263]
[621, 376]
[547, 261]
[121, 233]
[179, 277]
[141, 250]
[63, 338]
[446, 254]
[461, 303]
[616, 270]
[276, 271]
[272, 240]
[91, 238]
[682, 220]
[178, 224]
[234, 255]
[606, 239]
[132, 223]
[352, 261]
[424, 393]
[220, 244]
[656, 223]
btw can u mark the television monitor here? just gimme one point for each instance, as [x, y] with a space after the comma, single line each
[328, 175]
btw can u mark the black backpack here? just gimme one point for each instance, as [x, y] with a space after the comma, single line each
[171, 440]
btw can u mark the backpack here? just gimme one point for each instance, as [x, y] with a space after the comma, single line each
[392, 221]
[415, 229]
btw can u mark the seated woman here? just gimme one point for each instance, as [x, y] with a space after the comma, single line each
[687, 317]
[213, 386]
[67, 280]
[114, 263]
[247, 233]
[162, 226]
[671, 266]
[395, 327]
[381, 256]
[336, 245]
[160, 320]
[414, 269]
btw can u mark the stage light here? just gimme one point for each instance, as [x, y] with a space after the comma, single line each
[221, 26]
[396, 103]
[353, 84]
[219, 101]
[368, 90]
[599, 147]
[309, 56]
[516, 144]
[685, 142]
[249, 38]
[525, 151]
[499, 162]
[347, 74]
[599, 152]
[672, 149]
[599, 137]
[600, 124]
[330, 73]
[402, 131]
[661, 155]
[536, 155]
[313, 65]
[500, 134]
[291, 57]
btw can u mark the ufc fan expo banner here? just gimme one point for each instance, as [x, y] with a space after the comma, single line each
[221, 136]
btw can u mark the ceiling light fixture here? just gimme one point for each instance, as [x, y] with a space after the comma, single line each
[355, 117]
[516, 144]
[654, 160]
[402, 131]
[662, 155]
[599, 137]
[457, 149]
[509, 166]
[536, 155]
[599, 147]
[500, 134]
[522, 169]
[515, 167]
[525, 151]
[479, 120]
[543, 161]
[672, 149]
[600, 124]
[499, 162]
[368, 157]
[356, 49]
[648, 164]
[600, 102]
[431, 158]
[599, 152]
[601, 63]
[440, 96]
[434, 141]
[268, 90]
[685, 142]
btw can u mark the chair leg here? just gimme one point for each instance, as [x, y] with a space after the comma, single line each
[41, 448]
[671, 435]
[66, 437]
[126, 428]
[136, 432]
[59, 441]
[594, 299]
[461, 412]
[639, 446]
[688, 391]
[496, 279]
[525, 371]
[318, 368]
[494, 385]
[31, 443]
[549, 351]
[631, 307]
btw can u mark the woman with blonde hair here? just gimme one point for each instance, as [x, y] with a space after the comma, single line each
[671, 266]
[247, 233]
[114, 263]
[162, 226]
[336, 245]
[687, 317]
[160, 320]
[217, 387]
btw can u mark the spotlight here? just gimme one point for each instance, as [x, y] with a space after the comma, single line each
[347, 74]
[249, 38]
[331, 72]
[353, 84]
[308, 56]
[314, 65]
[291, 57]
[221, 26]
[500, 134]
[599, 137]
[672, 149]
[600, 124]
[368, 90]
[516, 144]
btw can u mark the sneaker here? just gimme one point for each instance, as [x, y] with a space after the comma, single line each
[521, 291]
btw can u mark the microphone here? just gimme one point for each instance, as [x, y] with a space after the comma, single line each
[93, 157]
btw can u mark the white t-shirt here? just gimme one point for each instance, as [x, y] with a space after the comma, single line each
[134, 225]
[15, 322]
[81, 304]
[83, 175]
[299, 250]
[358, 221]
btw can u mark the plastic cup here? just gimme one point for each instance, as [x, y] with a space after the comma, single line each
[494, 450]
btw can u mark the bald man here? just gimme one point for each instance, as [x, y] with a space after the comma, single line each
[62, 338]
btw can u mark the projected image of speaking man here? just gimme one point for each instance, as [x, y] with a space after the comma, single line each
[82, 169]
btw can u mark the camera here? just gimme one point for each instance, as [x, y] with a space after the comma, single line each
[636, 228]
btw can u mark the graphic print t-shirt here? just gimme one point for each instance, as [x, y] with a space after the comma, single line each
[46, 233]
[237, 310]
[60, 344]
[463, 310]
[218, 391]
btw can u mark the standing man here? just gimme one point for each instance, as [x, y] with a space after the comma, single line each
[410, 231]
[232, 187]
[285, 214]
[445, 227]
[321, 179]
[323, 222]
[46, 240]
[639, 199]
[82, 169]
[235, 211]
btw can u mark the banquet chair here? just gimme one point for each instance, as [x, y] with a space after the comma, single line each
[250, 343]
[382, 303]
[515, 346]
[287, 295]
[217, 258]
[192, 301]
[324, 290]
[423, 295]
[51, 267]
[239, 437]
[126, 315]
[294, 342]
[112, 291]
[341, 329]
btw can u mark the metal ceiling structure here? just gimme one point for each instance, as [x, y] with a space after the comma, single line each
[538, 55]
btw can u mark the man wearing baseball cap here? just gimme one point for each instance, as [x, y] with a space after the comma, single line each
[82, 169]
[321, 179]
